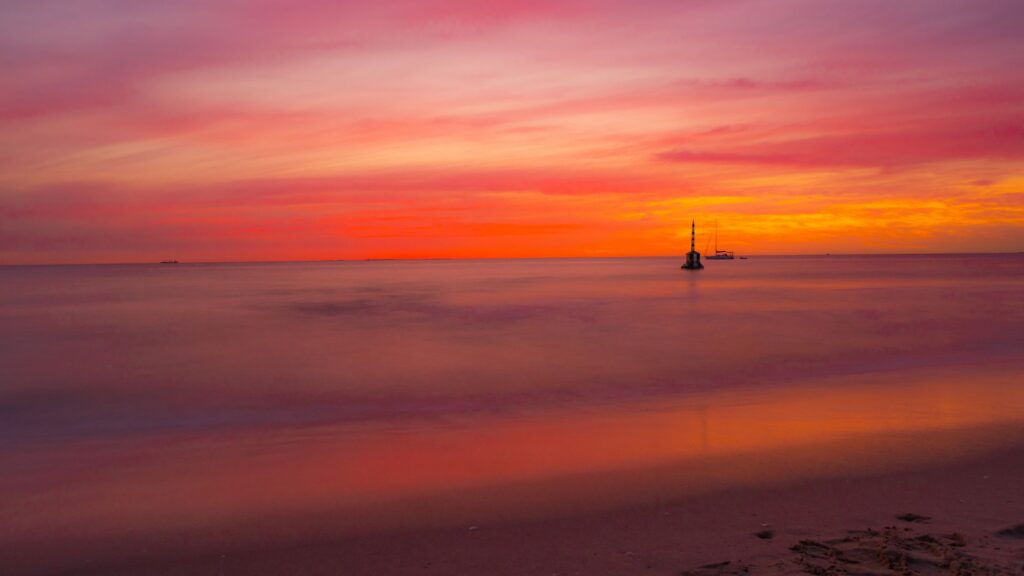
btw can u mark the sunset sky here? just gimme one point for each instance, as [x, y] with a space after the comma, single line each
[141, 130]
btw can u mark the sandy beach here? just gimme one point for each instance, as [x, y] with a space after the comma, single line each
[964, 516]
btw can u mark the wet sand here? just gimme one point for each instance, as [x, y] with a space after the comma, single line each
[959, 517]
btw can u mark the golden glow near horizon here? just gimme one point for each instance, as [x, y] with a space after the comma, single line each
[283, 130]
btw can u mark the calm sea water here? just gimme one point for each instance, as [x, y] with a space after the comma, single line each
[171, 397]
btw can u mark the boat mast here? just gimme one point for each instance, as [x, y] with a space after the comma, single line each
[693, 235]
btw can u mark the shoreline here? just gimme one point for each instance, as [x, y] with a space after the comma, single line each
[704, 534]
[309, 421]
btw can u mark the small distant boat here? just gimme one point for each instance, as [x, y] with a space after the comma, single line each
[168, 261]
[720, 254]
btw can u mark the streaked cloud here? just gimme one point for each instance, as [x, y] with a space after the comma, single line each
[268, 129]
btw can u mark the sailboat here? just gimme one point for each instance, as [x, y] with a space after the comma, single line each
[720, 254]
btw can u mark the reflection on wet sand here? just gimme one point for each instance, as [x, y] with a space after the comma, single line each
[727, 435]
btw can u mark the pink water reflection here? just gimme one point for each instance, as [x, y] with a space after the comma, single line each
[222, 478]
[145, 401]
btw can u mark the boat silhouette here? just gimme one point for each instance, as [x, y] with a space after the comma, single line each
[720, 254]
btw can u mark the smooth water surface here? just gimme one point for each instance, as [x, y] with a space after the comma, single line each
[152, 398]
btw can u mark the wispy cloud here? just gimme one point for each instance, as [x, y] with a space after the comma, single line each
[222, 128]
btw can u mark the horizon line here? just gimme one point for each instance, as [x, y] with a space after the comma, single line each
[456, 258]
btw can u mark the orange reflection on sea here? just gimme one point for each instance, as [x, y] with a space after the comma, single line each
[697, 442]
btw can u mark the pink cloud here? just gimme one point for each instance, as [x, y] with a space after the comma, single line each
[879, 148]
[384, 107]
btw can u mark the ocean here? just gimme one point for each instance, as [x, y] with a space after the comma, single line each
[182, 399]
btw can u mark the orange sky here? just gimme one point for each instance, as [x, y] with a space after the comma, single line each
[267, 129]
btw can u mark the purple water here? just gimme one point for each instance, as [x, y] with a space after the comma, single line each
[128, 350]
[165, 397]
